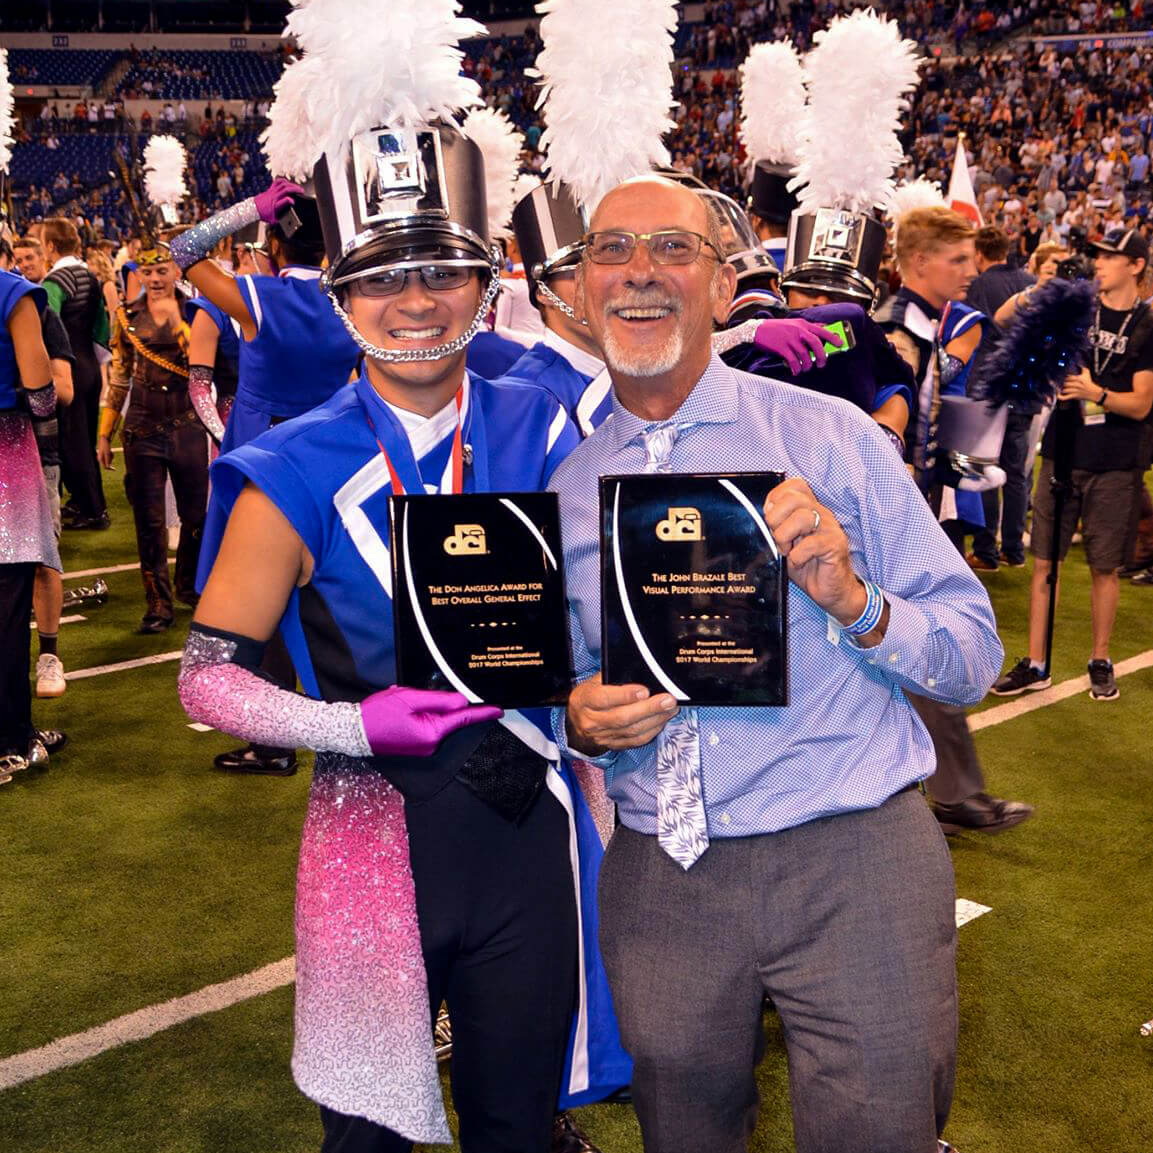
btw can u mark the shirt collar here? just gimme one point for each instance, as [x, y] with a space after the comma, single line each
[68, 262]
[713, 400]
[299, 272]
[425, 432]
[931, 312]
[584, 362]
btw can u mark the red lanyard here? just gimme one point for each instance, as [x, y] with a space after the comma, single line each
[457, 452]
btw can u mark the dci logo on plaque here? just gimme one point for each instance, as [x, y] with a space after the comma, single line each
[681, 524]
[466, 540]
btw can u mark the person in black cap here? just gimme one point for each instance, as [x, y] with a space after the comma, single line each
[1111, 451]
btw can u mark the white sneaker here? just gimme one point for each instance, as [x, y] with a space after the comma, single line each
[50, 680]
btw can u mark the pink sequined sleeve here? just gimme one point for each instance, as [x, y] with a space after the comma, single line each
[200, 393]
[218, 692]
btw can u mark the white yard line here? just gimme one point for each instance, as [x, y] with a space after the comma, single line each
[91, 572]
[121, 666]
[146, 1022]
[74, 619]
[969, 911]
[143, 1023]
[1028, 702]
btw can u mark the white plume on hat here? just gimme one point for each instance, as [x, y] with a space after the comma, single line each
[367, 63]
[7, 113]
[501, 143]
[857, 75]
[606, 90]
[772, 102]
[289, 141]
[919, 193]
[164, 163]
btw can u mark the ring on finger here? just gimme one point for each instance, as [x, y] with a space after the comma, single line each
[816, 520]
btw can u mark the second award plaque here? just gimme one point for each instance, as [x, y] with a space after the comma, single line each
[693, 588]
[478, 596]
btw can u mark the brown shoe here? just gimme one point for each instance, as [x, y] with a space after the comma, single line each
[979, 564]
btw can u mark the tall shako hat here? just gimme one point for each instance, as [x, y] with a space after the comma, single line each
[606, 102]
[857, 76]
[7, 124]
[163, 162]
[772, 107]
[370, 114]
[164, 187]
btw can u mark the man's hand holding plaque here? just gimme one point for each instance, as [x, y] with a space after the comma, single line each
[817, 549]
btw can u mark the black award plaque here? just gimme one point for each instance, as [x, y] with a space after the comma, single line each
[478, 596]
[693, 588]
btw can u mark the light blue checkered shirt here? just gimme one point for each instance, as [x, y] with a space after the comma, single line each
[849, 739]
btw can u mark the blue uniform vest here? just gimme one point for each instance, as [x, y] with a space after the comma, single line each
[12, 289]
[547, 368]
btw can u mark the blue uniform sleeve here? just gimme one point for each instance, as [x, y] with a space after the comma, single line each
[276, 475]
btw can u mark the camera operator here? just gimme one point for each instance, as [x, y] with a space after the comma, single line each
[1109, 454]
[995, 283]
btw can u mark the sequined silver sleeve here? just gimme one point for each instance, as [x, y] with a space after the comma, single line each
[41, 401]
[215, 691]
[193, 246]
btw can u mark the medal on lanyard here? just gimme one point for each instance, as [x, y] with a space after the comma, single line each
[457, 455]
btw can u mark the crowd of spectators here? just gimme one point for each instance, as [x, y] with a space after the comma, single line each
[1057, 139]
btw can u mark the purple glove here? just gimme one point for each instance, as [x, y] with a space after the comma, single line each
[275, 199]
[400, 722]
[799, 343]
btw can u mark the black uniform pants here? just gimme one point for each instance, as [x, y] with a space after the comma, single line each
[79, 469]
[16, 581]
[498, 931]
[181, 454]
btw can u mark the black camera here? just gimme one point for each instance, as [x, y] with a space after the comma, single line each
[1080, 265]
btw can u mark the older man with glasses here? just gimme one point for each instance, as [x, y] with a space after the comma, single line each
[815, 873]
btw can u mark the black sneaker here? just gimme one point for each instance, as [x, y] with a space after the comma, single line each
[1023, 677]
[1144, 577]
[1102, 682]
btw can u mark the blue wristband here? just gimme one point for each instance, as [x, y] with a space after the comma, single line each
[871, 614]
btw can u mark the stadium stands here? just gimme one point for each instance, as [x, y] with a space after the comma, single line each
[76, 67]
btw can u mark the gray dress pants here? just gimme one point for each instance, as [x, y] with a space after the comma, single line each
[848, 922]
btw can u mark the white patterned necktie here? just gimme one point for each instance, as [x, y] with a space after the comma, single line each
[682, 829]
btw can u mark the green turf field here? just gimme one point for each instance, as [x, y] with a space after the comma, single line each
[131, 873]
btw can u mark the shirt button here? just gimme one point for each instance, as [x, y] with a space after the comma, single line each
[714, 739]
[894, 658]
[931, 683]
[726, 819]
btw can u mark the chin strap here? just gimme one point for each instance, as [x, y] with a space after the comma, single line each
[437, 352]
[544, 290]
